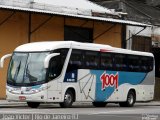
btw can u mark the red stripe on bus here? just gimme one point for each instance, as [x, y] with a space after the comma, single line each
[104, 50]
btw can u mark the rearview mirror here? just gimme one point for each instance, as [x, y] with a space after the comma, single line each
[47, 59]
[3, 58]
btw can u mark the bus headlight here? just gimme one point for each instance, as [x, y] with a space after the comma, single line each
[8, 89]
[26, 90]
[40, 89]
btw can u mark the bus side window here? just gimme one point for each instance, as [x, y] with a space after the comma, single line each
[120, 62]
[146, 64]
[134, 63]
[150, 60]
[75, 61]
[91, 60]
[106, 61]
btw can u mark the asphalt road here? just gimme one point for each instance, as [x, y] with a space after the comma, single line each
[80, 111]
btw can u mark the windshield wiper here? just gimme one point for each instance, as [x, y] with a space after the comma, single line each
[17, 71]
[29, 76]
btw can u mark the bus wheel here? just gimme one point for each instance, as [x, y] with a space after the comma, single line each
[33, 104]
[99, 104]
[68, 99]
[131, 99]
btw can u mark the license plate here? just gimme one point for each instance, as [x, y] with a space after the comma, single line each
[22, 98]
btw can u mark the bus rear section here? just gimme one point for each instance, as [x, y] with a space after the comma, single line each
[102, 77]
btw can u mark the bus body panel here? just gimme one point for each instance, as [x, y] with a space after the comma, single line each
[86, 84]
[90, 86]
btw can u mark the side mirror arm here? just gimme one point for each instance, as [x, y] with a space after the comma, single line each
[47, 59]
[3, 58]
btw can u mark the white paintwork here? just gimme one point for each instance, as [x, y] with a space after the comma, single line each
[86, 85]
[41, 46]
[143, 92]
[49, 46]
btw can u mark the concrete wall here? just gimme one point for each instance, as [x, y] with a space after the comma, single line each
[157, 89]
[156, 36]
[14, 32]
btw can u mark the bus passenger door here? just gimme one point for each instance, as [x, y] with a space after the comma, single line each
[54, 72]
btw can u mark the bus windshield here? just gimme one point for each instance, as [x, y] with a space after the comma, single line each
[27, 68]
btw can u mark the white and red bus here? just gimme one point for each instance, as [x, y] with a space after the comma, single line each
[65, 72]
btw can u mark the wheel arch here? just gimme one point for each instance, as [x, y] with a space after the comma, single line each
[131, 98]
[132, 90]
[72, 89]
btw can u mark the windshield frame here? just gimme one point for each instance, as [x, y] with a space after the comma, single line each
[27, 84]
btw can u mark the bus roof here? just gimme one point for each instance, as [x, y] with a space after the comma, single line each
[51, 45]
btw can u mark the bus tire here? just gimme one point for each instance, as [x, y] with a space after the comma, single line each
[68, 99]
[99, 104]
[131, 99]
[33, 104]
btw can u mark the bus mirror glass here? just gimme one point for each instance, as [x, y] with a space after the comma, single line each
[47, 59]
[3, 58]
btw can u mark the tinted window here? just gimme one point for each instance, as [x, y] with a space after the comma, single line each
[91, 60]
[106, 61]
[146, 64]
[75, 61]
[134, 63]
[120, 62]
[140, 63]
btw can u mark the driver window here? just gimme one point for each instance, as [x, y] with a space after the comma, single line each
[56, 63]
